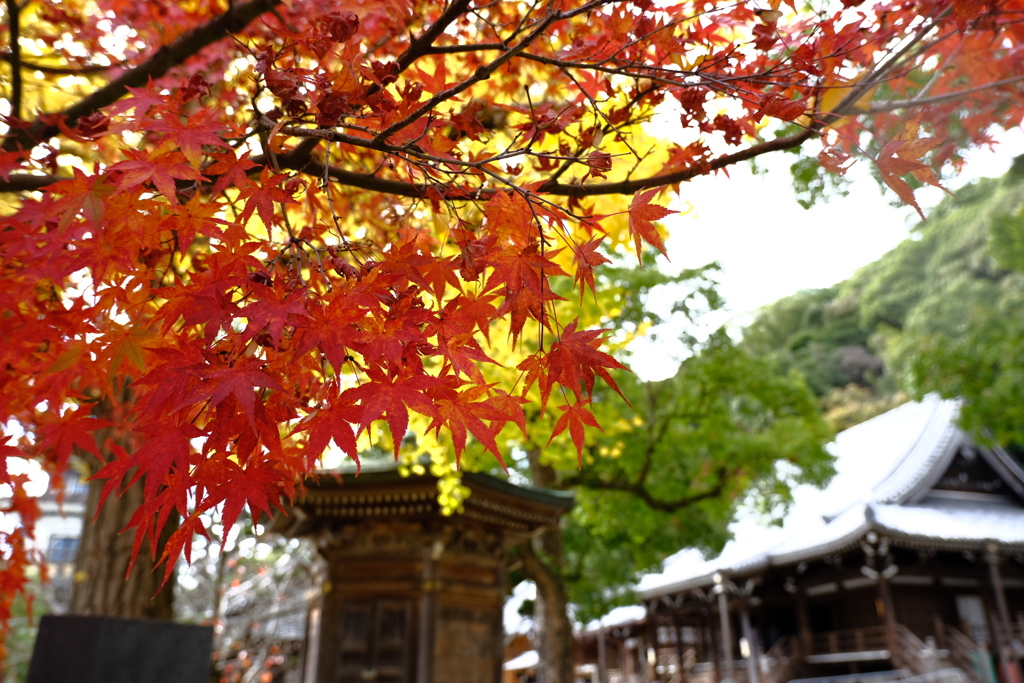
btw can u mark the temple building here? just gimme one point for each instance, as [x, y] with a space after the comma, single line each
[412, 595]
[908, 565]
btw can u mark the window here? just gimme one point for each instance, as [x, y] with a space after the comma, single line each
[62, 550]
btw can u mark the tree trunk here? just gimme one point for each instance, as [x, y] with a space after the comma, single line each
[102, 585]
[543, 562]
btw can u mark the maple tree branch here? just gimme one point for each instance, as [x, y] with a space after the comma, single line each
[423, 44]
[55, 70]
[459, 49]
[162, 61]
[640, 491]
[27, 182]
[635, 185]
[417, 190]
[14, 26]
[300, 159]
[880, 73]
[920, 101]
[481, 74]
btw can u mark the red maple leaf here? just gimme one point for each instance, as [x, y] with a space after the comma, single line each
[114, 473]
[333, 421]
[240, 381]
[575, 359]
[641, 215]
[260, 197]
[229, 169]
[779, 106]
[577, 417]
[75, 430]
[254, 486]
[587, 257]
[393, 397]
[276, 308]
[189, 135]
[524, 274]
[194, 217]
[179, 543]
[460, 411]
[83, 193]
[511, 407]
[161, 170]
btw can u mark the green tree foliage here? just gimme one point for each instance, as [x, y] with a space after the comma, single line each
[726, 428]
[945, 309]
[818, 334]
[671, 466]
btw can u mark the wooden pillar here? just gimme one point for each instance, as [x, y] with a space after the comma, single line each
[888, 615]
[602, 657]
[428, 606]
[803, 621]
[723, 614]
[651, 670]
[709, 632]
[1007, 662]
[996, 581]
[940, 631]
[680, 649]
[625, 659]
[499, 619]
[748, 633]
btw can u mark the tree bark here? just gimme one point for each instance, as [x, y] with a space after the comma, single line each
[102, 584]
[543, 563]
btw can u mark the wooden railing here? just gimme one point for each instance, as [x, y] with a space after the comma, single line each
[912, 653]
[963, 653]
[782, 660]
[849, 640]
[908, 653]
[1012, 635]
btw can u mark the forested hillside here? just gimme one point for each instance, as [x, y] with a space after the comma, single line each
[943, 311]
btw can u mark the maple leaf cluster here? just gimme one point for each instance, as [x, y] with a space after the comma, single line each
[272, 226]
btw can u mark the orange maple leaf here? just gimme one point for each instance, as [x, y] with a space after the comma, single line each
[899, 157]
[778, 106]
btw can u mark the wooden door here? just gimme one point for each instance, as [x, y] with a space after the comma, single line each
[375, 642]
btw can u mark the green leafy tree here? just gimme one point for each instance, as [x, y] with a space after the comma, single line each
[673, 461]
[818, 334]
[949, 305]
[944, 309]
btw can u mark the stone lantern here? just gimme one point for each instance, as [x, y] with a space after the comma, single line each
[412, 595]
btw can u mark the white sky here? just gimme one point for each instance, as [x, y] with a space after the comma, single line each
[769, 247]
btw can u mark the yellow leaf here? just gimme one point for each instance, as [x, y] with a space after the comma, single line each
[837, 90]
[67, 359]
[128, 346]
[685, 65]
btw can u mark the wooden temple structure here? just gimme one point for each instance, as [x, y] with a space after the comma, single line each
[909, 565]
[412, 595]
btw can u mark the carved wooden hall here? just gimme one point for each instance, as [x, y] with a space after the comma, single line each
[909, 564]
[412, 595]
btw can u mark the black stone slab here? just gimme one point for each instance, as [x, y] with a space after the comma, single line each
[77, 649]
